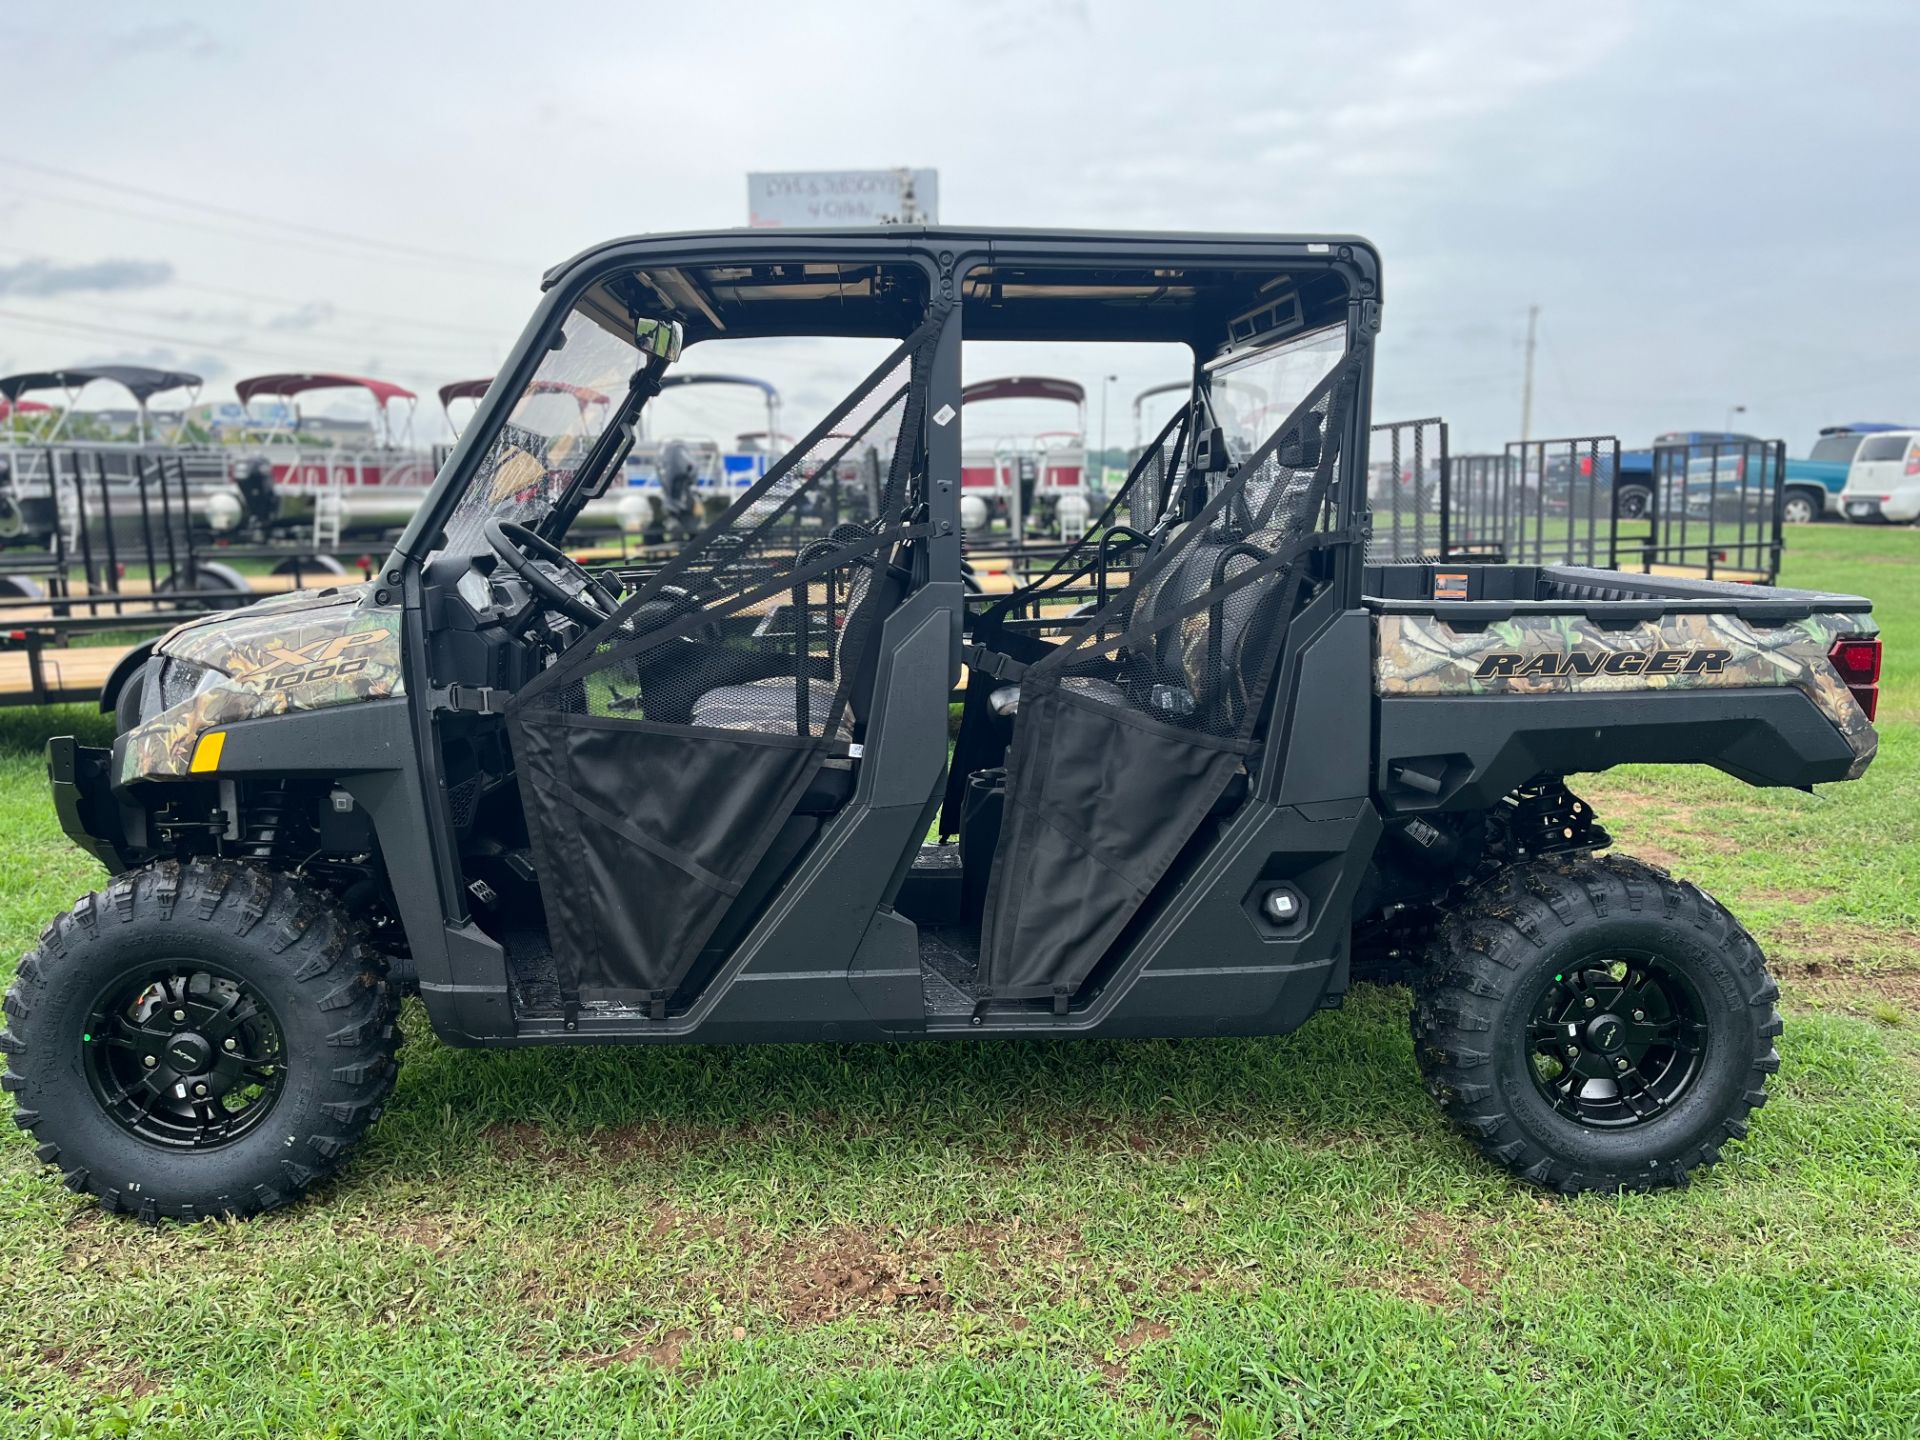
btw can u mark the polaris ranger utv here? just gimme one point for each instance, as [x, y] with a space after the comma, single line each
[1206, 766]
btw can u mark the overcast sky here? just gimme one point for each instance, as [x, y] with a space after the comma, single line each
[1713, 205]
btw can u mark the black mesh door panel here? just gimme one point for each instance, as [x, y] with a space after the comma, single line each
[1074, 875]
[643, 836]
[662, 753]
[1132, 728]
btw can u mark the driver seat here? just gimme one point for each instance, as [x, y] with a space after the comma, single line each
[771, 707]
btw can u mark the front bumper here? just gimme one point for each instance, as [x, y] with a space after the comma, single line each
[83, 798]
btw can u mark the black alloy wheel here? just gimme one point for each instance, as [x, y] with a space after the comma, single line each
[199, 1039]
[1591, 1023]
[1616, 1041]
[185, 1055]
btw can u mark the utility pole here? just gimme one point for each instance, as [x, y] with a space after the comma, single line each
[1105, 383]
[1526, 392]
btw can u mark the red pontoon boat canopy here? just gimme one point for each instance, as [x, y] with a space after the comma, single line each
[474, 389]
[285, 386]
[1024, 387]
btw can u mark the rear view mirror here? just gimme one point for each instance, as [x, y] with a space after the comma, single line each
[660, 339]
[1300, 448]
[1210, 450]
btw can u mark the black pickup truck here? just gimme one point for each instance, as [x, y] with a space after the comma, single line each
[1209, 765]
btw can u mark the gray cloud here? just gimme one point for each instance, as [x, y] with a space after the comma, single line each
[176, 37]
[306, 317]
[42, 279]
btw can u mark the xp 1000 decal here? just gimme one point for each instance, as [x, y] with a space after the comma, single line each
[304, 652]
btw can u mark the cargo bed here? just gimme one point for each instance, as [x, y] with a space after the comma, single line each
[1487, 675]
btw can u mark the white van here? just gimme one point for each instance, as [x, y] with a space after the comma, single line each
[1883, 483]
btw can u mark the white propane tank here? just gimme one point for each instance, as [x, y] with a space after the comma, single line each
[973, 513]
[225, 509]
[635, 512]
[1072, 510]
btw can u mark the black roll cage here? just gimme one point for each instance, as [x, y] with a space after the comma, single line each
[947, 258]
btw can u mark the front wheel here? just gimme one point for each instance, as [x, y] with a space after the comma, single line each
[203, 1039]
[1596, 1024]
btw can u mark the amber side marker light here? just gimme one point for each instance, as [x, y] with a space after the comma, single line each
[1858, 661]
[206, 754]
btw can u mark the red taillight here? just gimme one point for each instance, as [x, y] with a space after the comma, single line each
[1857, 659]
[1913, 464]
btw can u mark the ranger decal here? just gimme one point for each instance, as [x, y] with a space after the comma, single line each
[1507, 663]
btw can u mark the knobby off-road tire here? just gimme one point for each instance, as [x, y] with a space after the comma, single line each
[200, 1039]
[1546, 965]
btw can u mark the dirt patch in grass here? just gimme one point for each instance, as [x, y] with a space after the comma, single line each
[663, 1350]
[1649, 819]
[1891, 997]
[429, 1232]
[90, 1370]
[1449, 1246]
[1797, 946]
[1141, 1332]
[524, 1142]
[1859, 968]
[848, 1270]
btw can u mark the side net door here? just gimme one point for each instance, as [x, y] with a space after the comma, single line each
[662, 754]
[1117, 541]
[1132, 728]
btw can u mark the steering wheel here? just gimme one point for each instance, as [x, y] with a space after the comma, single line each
[519, 547]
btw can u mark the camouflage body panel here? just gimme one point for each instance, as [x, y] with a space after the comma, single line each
[307, 651]
[1570, 654]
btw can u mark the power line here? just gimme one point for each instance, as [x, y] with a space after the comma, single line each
[1526, 392]
[385, 316]
[116, 332]
[270, 336]
[228, 293]
[276, 241]
[254, 218]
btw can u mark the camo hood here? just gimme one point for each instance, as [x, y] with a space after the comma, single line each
[306, 651]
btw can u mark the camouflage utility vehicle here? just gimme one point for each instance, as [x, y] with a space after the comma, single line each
[1208, 765]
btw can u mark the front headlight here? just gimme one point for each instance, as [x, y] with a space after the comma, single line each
[179, 682]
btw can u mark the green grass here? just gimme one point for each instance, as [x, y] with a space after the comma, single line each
[1228, 1238]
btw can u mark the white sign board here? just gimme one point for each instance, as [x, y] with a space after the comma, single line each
[843, 197]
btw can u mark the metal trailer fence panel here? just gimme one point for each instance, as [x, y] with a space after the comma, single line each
[1559, 506]
[119, 549]
[1477, 513]
[1407, 490]
[1717, 509]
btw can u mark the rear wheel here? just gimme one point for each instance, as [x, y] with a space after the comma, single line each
[1798, 507]
[206, 1039]
[1596, 1024]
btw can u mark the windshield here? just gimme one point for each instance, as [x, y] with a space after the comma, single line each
[1254, 392]
[1884, 447]
[550, 431]
[1835, 449]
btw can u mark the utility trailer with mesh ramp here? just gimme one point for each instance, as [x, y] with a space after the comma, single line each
[1208, 763]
